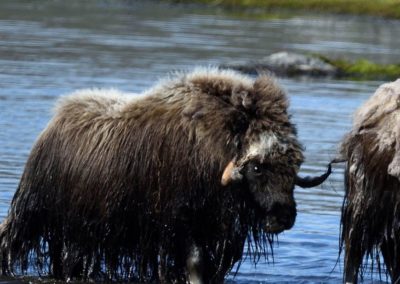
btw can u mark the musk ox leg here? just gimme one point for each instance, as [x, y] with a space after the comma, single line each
[195, 265]
[351, 272]
[4, 264]
[389, 252]
[353, 251]
[55, 249]
[3, 253]
[56, 244]
[162, 266]
[352, 260]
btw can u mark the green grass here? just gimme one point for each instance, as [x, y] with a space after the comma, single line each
[363, 69]
[383, 8]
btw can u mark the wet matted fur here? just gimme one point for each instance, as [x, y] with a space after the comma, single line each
[371, 208]
[122, 187]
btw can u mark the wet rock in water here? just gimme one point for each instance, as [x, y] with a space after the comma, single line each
[285, 64]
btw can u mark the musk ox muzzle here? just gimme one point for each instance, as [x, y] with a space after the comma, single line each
[164, 187]
[280, 217]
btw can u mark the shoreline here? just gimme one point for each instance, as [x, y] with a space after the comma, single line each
[380, 8]
[292, 64]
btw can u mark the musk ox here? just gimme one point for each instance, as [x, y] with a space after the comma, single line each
[371, 208]
[164, 187]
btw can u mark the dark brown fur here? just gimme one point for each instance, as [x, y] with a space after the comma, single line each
[119, 188]
[371, 209]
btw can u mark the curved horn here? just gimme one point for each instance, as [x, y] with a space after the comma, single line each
[306, 182]
[231, 173]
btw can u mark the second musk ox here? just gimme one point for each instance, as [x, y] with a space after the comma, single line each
[163, 187]
[371, 210]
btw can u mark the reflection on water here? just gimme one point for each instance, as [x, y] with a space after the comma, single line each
[49, 48]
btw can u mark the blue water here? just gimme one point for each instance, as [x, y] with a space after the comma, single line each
[50, 48]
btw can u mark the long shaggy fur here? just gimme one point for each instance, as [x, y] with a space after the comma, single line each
[371, 209]
[117, 187]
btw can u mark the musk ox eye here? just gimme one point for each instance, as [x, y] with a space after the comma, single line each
[254, 169]
[257, 169]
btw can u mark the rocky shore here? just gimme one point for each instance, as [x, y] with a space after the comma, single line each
[289, 64]
[285, 64]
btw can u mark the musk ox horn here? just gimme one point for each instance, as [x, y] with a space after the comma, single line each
[231, 173]
[307, 182]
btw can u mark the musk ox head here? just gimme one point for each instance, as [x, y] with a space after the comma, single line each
[267, 170]
[371, 208]
[267, 155]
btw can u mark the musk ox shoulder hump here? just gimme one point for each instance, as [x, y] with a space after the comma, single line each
[202, 77]
[384, 102]
[216, 94]
[261, 96]
[96, 102]
[378, 116]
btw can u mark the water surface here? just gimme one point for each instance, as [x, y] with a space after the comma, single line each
[50, 48]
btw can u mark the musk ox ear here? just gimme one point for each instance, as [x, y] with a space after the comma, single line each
[241, 97]
[231, 174]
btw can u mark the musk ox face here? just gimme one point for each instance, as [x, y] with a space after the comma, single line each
[269, 168]
[267, 172]
[273, 198]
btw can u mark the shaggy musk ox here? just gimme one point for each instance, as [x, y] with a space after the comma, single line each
[371, 210]
[164, 187]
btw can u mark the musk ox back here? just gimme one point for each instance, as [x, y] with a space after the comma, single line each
[164, 187]
[371, 210]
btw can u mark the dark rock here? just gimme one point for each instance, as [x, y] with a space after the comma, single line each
[285, 64]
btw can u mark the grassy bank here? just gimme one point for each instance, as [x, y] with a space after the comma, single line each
[383, 8]
[364, 69]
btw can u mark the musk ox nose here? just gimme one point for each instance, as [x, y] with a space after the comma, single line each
[280, 217]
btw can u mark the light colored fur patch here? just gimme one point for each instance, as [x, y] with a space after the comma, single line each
[224, 75]
[105, 102]
[268, 143]
[381, 113]
[264, 145]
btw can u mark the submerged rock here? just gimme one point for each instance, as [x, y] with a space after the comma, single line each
[286, 64]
